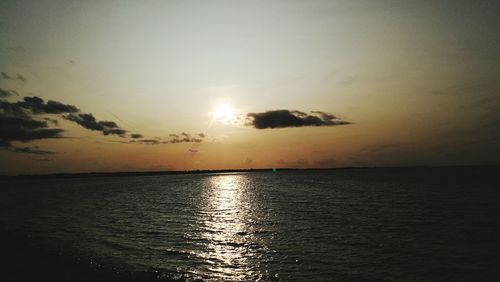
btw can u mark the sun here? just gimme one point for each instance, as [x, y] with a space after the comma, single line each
[224, 113]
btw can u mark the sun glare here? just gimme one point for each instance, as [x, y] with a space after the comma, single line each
[224, 113]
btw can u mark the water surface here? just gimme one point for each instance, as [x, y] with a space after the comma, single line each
[346, 225]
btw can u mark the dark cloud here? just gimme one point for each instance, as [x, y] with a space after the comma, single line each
[88, 121]
[115, 131]
[174, 139]
[23, 111]
[14, 77]
[27, 150]
[186, 139]
[147, 141]
[193, 151]
[22, 129]
[35, 106]
[32, 150]
[5, 93]
[38, 106]
[19, 122]
[287, 118]
[13, 109]
[27, 120]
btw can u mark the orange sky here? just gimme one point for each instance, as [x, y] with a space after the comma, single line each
[407, 83]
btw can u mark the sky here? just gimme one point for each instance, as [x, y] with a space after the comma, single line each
[89, 86]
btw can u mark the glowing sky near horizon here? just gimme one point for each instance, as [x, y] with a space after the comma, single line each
[417, 81]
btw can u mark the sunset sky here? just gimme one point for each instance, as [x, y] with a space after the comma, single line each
[181, 85]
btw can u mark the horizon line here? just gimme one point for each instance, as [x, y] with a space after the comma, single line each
[215, 171]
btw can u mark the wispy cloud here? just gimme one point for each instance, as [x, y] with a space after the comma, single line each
[5, 93]
[18, 76]
[172, 139]
[33, 150]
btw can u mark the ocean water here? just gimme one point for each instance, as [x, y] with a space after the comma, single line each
[331, 225]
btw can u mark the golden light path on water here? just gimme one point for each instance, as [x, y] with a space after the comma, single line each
[226, 218]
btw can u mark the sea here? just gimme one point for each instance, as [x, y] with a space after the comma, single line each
[358, 224]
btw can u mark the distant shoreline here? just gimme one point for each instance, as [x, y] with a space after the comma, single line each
[215, 171]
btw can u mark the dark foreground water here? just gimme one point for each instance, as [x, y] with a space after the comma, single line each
[341, 225]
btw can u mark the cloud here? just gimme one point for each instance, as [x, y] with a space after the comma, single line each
[32, 150]
[34, 106]
[5, 93]
[193, 151]
[147, 141]
[37, 106]
[287, 118]
[185, 138]
[19, 122]
[88, 121]
[174, 139]
[29, 119]
[25, 129]
[14, 77]
[13, 109]
[28, 150]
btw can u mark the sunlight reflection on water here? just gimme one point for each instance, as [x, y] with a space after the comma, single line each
[224, 218]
